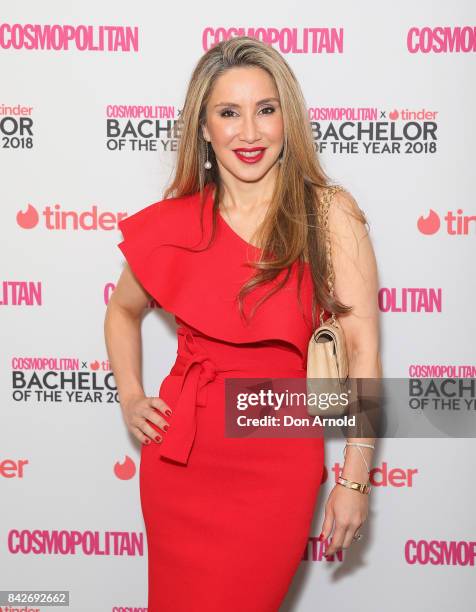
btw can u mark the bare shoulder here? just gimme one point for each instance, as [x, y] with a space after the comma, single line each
[346, 220]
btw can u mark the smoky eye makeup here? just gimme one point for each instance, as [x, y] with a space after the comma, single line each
[223, 113]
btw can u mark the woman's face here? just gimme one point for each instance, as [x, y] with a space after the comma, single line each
[243, 114]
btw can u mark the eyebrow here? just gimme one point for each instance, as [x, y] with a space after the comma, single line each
[264, 101]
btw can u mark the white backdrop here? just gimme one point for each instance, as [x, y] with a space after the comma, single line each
[70, 508]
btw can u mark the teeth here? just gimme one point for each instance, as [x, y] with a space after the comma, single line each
[250, 153]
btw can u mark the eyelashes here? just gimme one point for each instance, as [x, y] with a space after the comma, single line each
[229, 110]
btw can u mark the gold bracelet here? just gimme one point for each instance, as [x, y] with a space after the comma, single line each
[357, 486]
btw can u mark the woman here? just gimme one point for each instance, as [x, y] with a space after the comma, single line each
[235, 253]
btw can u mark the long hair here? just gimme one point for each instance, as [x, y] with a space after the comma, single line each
[291, 229]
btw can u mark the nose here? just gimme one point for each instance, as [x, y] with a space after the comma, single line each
[249, 128]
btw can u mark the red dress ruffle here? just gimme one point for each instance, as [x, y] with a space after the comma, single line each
[193, 286]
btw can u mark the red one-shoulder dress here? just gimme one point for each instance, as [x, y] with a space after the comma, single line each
[227, 518]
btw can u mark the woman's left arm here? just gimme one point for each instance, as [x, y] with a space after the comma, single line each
[356, 284]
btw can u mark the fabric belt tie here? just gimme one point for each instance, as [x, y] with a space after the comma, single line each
[198, 371]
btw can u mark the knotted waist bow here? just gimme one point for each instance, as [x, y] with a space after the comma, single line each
[197, 370]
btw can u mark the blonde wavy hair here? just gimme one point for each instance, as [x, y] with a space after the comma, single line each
[291, 229]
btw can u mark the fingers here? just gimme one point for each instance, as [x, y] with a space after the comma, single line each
[150, 412]
[337, 540]
[342, 537]
[146, 419]
[349, 536]
[140, 435]
[151, 433]
[345, 518]
[159, 404]
[150, 421]
[327, 524]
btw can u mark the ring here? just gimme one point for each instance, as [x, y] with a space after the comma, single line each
[357, 537]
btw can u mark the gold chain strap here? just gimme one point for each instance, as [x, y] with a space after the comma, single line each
[324, 222]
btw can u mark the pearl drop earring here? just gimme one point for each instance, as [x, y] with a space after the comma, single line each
[208, 163]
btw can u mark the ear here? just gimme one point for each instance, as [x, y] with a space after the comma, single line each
[205, 133]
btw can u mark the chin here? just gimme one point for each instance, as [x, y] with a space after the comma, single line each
[248, 174]
[253, 172]
[251, 177]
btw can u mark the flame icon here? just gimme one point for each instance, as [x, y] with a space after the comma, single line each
[393, 114]
[94, 365]
[28, 219]
[430, 224]
[125, 470]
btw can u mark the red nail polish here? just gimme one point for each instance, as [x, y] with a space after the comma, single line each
[165, 427]
[168, 412]
[321, 537]
[147, 441]
[158, 438]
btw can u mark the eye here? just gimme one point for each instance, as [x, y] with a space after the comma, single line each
[268, 108]
[271, 110]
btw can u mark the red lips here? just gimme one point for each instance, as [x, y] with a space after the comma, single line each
[249, 160]
[249, 150]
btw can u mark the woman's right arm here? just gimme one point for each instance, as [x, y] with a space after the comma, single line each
[122, 331]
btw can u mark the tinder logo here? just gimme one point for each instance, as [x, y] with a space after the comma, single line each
[456, 224]
[28, 219]
[55, 218]
[125, 470]
[430, 224]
